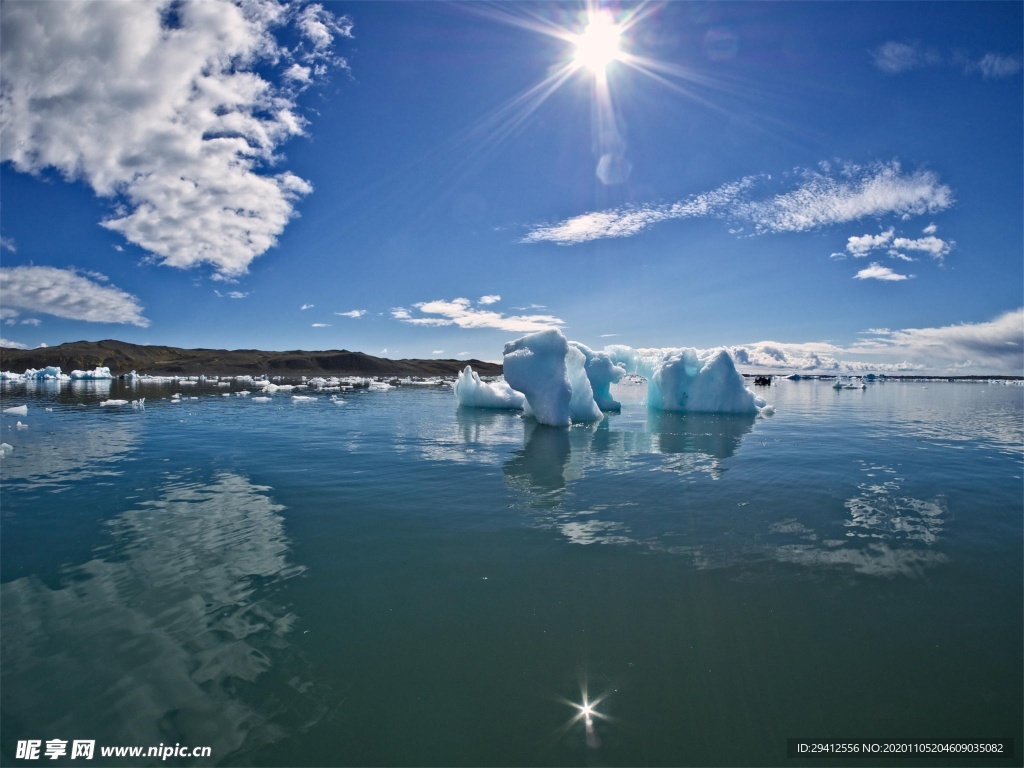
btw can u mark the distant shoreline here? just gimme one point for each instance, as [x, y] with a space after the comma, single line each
[121, 358]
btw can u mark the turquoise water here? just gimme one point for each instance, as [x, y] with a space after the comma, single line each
[394, 581]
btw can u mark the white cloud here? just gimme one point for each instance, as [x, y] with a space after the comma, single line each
[321, 325]
[931, 229]
[7, 244]
[994, 66]
[462, 313]
[935, 247]
[819, 198]
[65, 293]
[437, 352]
[876, 271]
[232, 294]
[897, 57]
[33, 321]
[859, 246]
[997, 344]
[12, 344]
[354, 313]
[174, 123]
[304, 307]
[491, 299]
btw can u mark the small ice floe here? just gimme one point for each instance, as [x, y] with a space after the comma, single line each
[18, 410]
[337, 400]
[5, 448]
[225, 394]
[140, 404]
[242, 393]
[260, 399]
[303, 398]
[49, 410]
[114, 402]
[97, 374]
[19, 425]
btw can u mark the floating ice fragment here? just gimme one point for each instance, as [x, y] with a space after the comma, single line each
[474, 393]
[114, 402]
[302, 398]
[5, 448]
[260, 399]
[602, 372]
[19, 425]
[17, 410]
[97, 374]
[140, 404]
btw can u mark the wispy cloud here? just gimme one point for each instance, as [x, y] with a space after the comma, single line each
[993, 66]
[321, 325]
[66, 293]
[304, 307]
[818, 198]
[876, 271]
[12, 344]
[175, 121]
[353, 313]
[897, 57]
[461, 313]
[7, 244]
[232, 294]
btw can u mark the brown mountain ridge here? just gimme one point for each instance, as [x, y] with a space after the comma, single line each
[121, 357]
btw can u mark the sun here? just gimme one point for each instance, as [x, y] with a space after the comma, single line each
[598, 45]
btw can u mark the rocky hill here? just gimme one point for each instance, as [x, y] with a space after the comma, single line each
[121, 357]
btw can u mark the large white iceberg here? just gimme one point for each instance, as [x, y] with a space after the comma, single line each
[550, 373]
[700, 382]
[474, 393]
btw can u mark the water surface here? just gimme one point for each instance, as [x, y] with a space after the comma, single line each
[391, 580]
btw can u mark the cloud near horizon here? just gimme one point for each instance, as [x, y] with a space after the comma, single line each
[67, 294]
[353, 313]
[162, 108]
[461, 312]
[817, 199]
[996, 345]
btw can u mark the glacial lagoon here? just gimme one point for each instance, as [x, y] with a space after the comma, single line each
[383, 578]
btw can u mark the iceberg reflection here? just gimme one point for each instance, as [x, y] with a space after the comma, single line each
[172, 631]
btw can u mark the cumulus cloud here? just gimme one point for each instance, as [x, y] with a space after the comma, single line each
[67, 294]
[163, 108]
[818, 198]
[859, 246]
[935, 247]
[876, 271]
[354, 313]
[462, 313]
[490, 299]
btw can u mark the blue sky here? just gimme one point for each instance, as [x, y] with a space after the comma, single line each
[812, 185]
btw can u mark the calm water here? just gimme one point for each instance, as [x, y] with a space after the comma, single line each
[393, 581]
